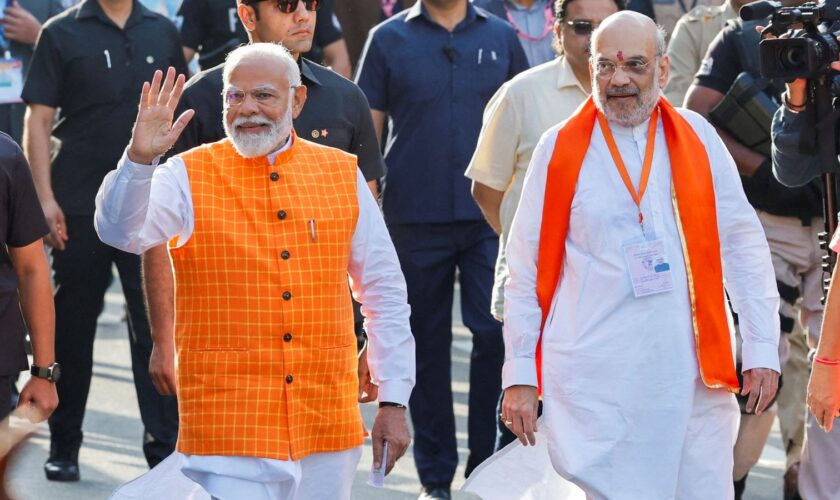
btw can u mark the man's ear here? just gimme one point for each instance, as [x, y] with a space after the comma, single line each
[664, 70]
[247, 16]
[299, 100]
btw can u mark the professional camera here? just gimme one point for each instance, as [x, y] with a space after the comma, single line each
[806, 52]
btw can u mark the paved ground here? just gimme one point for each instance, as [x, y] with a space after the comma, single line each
[111, 454]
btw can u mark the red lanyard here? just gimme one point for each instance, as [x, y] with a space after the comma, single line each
[549, 25]
[619, 163]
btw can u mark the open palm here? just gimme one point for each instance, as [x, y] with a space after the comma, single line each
[154, 132]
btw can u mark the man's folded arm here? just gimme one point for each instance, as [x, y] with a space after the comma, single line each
[747, 267]
[523, 316]
[378, 284]
[791, 167]
[142, 206]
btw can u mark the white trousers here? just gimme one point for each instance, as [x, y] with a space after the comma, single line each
[322, 475]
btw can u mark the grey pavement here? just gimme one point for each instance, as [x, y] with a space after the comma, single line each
[111, 454]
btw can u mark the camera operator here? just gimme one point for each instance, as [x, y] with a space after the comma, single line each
[792, 123]
[730, 92]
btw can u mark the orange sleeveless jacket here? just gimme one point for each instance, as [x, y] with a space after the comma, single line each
[264, 324]
[693, 197]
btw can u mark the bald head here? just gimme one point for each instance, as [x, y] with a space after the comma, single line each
[628, 32]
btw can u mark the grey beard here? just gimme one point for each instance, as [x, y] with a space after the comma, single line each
[256, 145]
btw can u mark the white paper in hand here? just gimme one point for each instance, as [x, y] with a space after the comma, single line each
[376, 478]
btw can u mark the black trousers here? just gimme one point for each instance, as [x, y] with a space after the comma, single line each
[82, 274]
[430, 256]
[5, 396]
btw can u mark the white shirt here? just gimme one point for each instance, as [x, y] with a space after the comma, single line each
[596, 329]
[139, 207]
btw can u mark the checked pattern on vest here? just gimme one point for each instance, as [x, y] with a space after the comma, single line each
[264, 324]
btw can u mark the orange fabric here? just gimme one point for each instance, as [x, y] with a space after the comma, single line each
[696, 219]
[238, 334]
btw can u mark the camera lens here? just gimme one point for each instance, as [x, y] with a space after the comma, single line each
[792, 57]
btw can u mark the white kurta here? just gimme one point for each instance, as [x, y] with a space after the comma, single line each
[625, 414]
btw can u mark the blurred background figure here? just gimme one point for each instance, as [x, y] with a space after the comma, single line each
[357, 17]
[533, 21]
[666, 13]
[211, 29]
[329, 48]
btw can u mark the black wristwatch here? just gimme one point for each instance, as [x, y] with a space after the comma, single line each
[387, 404]
[52, 373]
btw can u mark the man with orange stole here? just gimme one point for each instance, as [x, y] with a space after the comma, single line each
[632, 218]
[264, 228]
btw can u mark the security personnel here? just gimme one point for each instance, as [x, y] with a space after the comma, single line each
[87, 61]
[211, 29]
[689, 42]
[791, 218]
[666, 13]
[357, 17]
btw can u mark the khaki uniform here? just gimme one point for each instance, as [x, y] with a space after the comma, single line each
[668, 12]
[691, 38]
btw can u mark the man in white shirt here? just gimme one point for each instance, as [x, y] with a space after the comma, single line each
[617, 256]
[266, 414]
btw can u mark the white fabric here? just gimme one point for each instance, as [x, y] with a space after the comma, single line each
[619, 373]
[197, 477]
[139, 207]
[818, 478]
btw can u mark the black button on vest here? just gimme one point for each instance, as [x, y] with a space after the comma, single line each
[287, 295]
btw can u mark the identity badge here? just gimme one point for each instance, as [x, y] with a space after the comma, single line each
[648, 266]
[11, 81]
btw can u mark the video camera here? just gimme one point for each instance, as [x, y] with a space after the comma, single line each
[807, 52]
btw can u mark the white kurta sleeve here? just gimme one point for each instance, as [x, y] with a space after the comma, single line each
[747, 266]
[142, 206]
[523, 315]
[378, 284]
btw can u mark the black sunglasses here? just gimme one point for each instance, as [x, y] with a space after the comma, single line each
[582, 28]
[289, 6]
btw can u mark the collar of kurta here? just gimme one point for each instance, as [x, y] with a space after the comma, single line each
[693, 198]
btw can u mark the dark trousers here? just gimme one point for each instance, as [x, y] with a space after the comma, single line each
[82, 274]
[5, 396]
[429, 256]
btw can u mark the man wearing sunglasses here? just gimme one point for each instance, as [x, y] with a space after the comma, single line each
[517, 116]
[336, 115]
[630, 218]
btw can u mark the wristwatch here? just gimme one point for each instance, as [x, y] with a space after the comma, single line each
[386, 404]
[52, 373]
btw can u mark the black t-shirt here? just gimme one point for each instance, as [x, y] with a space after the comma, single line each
[212, 28]
[94, 71]
[719, 70]
[336, 114]
[21, 223]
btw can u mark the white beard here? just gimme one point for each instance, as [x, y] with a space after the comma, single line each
[634, 115]
[250, 145]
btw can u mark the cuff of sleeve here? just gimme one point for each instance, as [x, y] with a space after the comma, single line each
[519, 371]
[139, 167]
[395, 391]
[760, 355]
[789, 116]
[486, 178]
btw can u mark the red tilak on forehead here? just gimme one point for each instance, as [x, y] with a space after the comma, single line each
[620, 55]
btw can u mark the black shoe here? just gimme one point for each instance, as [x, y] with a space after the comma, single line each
[791, 483]
[63, 465]
[740, 486]
[435, 492]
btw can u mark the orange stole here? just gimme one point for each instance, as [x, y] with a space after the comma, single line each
[696, 220]
[264, 328]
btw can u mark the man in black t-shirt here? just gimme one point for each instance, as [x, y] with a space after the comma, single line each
[210, 28]
[24, 287]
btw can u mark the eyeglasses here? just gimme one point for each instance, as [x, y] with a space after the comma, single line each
[606, 69]
[582, 28]
[289, 6]
[262, 96]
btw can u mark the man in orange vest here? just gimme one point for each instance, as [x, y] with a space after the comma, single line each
[632, 215]
[264, 228]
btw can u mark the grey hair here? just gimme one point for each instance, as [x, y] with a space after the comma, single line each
[661, 45]
[263, 49]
